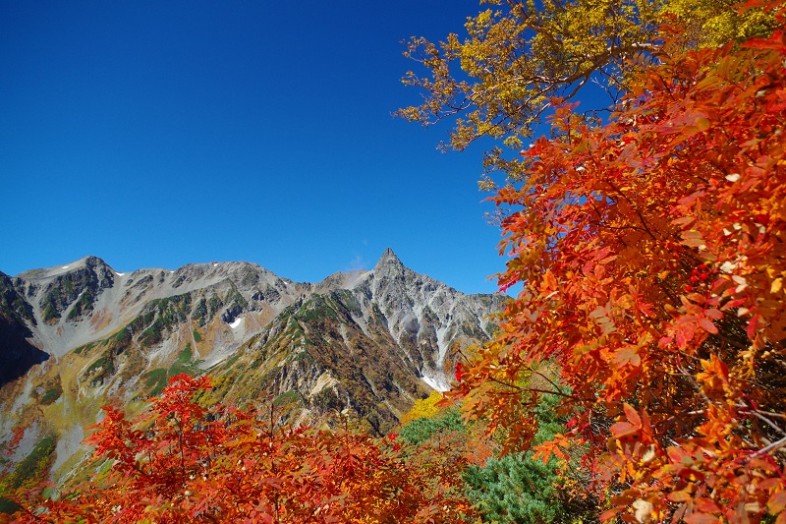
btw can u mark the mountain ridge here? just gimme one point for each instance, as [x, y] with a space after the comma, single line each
[81, 335]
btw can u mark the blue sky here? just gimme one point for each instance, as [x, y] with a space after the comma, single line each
[159, 133]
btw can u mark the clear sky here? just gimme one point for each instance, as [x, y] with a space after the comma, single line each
[159, 133]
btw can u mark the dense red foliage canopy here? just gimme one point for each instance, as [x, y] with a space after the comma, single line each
[183, 462]
[652, 254]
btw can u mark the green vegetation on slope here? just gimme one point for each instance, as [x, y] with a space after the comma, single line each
[27, 472]
[156, 379]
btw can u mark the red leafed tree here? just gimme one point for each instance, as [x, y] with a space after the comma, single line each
[183, 462]
[651, 251]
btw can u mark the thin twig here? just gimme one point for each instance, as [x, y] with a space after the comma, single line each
[772, 447]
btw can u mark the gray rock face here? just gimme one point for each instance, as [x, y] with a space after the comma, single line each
[65, 307]
[86, 300]
[424, 316]
[81, 335]
[370, 340]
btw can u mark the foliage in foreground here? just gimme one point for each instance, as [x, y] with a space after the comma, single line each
[183, 462]
[514, 488]
[651, 251]
[520, 488]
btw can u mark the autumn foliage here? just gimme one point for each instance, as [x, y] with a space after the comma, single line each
[650, 251]
[183, 462]
[652, 254]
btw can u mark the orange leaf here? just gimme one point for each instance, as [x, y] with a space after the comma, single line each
[623, 429]
[692, 238]
[633, 416]
[706, 505]
[679, 456]
[679, 496]
[713, 314]
[610, 513]
[777, 502]
[701, 518]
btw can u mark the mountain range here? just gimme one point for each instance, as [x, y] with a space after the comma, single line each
[82, 335]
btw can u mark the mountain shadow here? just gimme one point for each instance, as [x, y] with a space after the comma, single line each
[17, 355]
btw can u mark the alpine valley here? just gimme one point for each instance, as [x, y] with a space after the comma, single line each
[79, 336]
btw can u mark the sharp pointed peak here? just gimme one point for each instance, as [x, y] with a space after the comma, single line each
[389, 257]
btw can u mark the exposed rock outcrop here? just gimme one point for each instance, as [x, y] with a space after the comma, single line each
[372, 341]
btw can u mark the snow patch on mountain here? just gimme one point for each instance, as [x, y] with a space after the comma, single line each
[436, 381]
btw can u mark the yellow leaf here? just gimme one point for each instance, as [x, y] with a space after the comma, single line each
[776, 286]
[702, 123]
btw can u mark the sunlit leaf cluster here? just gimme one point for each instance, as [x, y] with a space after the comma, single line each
[498, 78]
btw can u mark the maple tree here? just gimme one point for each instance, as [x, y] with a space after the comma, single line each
[183, 462]
[651, 254]
[498, 79]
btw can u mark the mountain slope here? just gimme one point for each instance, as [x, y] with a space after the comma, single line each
[82, 335]
[17, 353]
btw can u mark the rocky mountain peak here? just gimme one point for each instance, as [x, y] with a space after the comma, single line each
[92, 264]
[389, 266]
[389, 258]
[66, 292]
